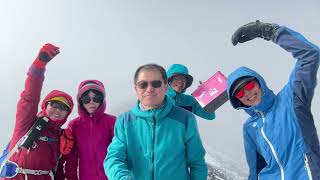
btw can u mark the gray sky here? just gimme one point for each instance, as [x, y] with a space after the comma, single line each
[108, 40]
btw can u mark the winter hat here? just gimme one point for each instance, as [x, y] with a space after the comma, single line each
[60, 99]
[182, 70]
[90, 84]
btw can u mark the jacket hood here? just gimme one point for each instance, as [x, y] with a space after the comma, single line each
[158, 113]
[85, 86]
[52, 94]
[178, 69]
[267, 98]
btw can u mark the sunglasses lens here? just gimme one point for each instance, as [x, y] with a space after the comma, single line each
[156, 84]
[250, 85]
[59, 105]
[97, 98]
[142, 84]
[240, 94]
[85, 99]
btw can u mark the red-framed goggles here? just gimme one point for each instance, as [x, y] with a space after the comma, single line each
[246, 84]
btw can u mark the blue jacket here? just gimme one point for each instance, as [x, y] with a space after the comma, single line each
[155, 145]
[183, 100]
[280, 137]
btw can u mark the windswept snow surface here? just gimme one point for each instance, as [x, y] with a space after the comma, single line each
[223, 168]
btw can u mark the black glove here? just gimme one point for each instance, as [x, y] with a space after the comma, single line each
[253, 30]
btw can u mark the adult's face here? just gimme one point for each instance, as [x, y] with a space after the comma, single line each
[252, 95]
[150, 89]
[178, 83]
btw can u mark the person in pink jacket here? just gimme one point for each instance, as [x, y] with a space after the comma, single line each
[92, 132]
[38, 160]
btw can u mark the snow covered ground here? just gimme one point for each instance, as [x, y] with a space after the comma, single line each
[223, 168]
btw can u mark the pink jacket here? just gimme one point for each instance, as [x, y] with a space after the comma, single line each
[45, 155]
[92, 133]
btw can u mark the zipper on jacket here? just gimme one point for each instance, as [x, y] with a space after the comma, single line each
[271, 147]
[153, 144]
[306, 162]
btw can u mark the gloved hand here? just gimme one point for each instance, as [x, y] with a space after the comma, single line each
[46, 53]
[253, 30]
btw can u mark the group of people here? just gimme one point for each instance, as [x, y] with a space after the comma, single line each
[159, 138]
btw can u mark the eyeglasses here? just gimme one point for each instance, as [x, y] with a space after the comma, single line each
[144, 84]
[59, 105]
[87, 99]
[179, 78]
[248, 86]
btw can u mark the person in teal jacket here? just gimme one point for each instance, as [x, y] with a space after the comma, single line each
[179, 80]
[155, 140]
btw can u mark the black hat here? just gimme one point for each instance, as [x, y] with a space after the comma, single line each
[240, 82]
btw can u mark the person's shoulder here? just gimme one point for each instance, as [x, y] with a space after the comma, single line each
[74, 122]
[126, 116]
[181, 115]
[110, 116]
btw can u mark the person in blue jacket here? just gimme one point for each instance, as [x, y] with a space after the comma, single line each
[155, 140]
[280, 137]
[179, 80]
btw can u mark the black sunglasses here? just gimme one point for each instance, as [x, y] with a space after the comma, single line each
[144, 84]
[87, 99]
[59, 105]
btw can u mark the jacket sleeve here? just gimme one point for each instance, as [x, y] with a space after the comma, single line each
[195, 152]
[27, 106]
[199, 111]
[71, 159]
[115, 163]
[303, 78]
[255, 161]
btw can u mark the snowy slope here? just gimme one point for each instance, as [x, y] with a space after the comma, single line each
[223, 168]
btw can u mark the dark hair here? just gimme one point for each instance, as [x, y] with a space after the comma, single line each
[151, 67]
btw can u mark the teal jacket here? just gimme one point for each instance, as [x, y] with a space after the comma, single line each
[155, 145]
[183, 100]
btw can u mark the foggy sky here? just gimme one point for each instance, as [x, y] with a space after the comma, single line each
[108, 40]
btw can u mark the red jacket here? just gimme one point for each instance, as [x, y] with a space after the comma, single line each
[92, 133]
[45, 155]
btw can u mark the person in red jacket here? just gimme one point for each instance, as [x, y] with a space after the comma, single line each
[92, 132]
[38, 162]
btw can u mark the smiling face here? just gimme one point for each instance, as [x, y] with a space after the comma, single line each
[56, 110]
[148, 91]
[178, 83]
[250, 94]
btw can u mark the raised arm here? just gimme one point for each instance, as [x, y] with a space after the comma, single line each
[27, 106]
[303, 78]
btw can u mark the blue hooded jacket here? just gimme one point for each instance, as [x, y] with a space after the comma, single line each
[156, 144]
[280, 137]
[183, 100]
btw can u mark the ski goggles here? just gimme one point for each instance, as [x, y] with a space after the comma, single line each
[59, 105]
[145, 84]
[246, 86]
[87, 99]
